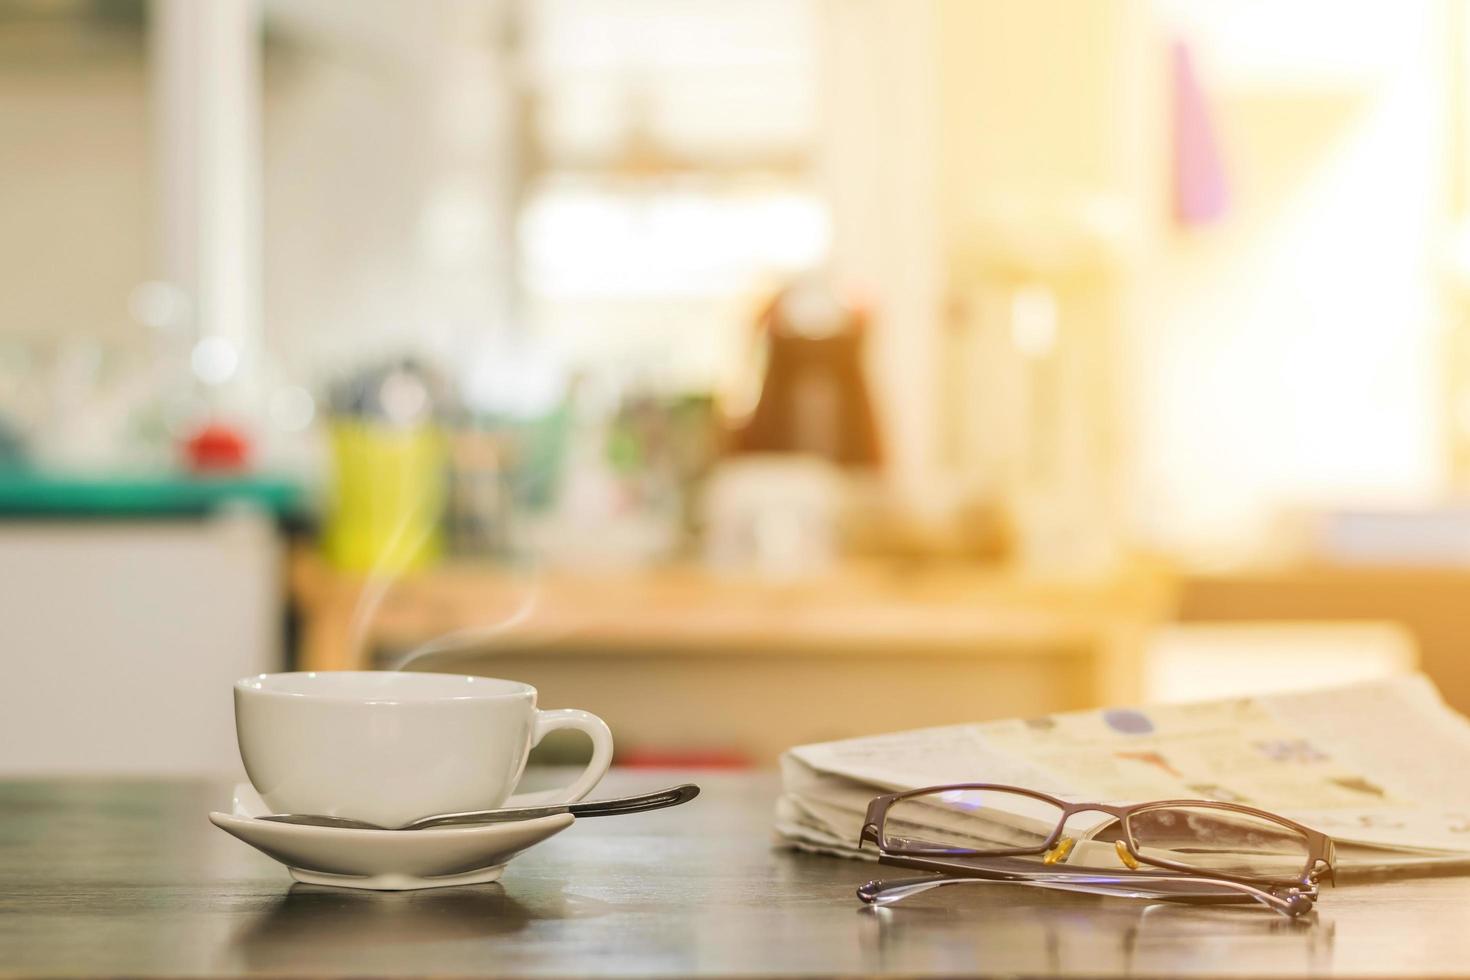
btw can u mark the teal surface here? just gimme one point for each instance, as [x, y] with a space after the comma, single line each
[30, 493]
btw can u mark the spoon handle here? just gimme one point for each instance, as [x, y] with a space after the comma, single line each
[673, 796]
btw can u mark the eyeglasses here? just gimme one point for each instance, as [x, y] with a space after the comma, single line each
[1202, 850]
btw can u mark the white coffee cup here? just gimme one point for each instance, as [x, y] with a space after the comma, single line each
[390, 747]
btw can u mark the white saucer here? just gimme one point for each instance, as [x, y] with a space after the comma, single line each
[385, 860]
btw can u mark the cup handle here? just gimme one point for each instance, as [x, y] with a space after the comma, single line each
[602, 751]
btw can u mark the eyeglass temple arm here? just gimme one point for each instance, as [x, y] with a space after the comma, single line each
[887, 891]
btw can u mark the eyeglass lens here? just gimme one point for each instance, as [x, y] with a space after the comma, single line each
[1220, 840]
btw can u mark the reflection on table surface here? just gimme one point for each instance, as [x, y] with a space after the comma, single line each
[1064, 934]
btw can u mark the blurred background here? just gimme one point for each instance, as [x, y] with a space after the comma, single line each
[748, 372]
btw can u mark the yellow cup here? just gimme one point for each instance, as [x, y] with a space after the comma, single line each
[387, 507]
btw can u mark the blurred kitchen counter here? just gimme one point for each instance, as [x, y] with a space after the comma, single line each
[40, 494]
[681, 659]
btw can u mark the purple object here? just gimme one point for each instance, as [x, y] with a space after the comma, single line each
[1201, 194]
[1127, 721]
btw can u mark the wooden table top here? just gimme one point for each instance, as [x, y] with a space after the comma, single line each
[129, 878]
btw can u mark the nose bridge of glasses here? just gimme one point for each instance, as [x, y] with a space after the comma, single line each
[1112, 811]
[1091, 850]
[1091, 823]
[1086, 836]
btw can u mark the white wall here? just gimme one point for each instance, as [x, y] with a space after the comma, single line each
[1289, 355]
[74, 183]
[877, 154]
[388, 169]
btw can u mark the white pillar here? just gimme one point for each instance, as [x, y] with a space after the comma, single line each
[877, 161]
[205, 63]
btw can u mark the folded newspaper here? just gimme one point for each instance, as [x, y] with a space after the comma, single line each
[1382, 767]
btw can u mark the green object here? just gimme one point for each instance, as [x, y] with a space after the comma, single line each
[537, 463]
[30, 493]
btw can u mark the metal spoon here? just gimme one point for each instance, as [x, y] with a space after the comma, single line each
[672, 796]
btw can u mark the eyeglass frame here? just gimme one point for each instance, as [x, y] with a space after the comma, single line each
[1321, 851]
[1160, 886]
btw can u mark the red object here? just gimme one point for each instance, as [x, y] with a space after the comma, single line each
[216, 447]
